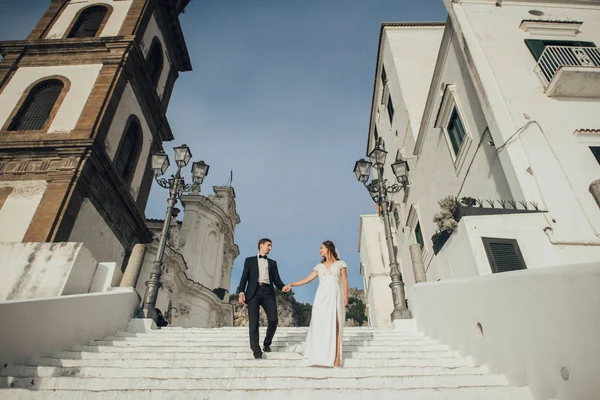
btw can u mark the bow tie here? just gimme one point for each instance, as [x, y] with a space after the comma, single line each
[265, 257]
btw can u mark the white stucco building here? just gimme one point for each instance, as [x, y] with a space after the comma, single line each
[499, 104]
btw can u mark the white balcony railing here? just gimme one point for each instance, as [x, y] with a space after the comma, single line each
[555, 57]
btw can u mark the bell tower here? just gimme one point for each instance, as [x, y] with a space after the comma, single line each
[83, 104]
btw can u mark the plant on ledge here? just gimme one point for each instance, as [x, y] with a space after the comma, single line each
[445, 221]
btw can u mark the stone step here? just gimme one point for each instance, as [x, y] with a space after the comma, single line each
[145, 361]
[465, 393]
[170, 352]
[232, 372]
[117, 341]
[244, 335]
[244, 332]
[283, 328]
[235, 348]
[295, 383]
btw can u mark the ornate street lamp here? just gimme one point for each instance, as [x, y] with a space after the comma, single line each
[379, 190]
[177, 186]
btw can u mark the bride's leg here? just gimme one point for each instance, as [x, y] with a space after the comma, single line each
[336, 363]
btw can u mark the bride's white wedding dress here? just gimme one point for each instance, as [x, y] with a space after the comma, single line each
[320, 346]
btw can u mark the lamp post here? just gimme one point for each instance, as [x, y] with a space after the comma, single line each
[177, 186]
[379, 189]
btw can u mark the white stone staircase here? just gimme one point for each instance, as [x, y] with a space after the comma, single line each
[177, 363]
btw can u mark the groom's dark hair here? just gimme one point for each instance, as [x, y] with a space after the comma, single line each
[263, 241]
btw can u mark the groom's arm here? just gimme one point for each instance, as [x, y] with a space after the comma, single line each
[276, 279]
[244, 278]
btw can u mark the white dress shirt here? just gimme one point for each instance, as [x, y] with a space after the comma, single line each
[263, 270]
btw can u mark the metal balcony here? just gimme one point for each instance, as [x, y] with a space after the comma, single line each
[569, 71]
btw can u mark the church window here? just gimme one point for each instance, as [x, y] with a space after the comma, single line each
[129, 150]
[155, 61]
[88, 23]
[36, 109]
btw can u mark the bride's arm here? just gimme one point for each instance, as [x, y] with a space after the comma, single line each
[304, 281]
[345, 285]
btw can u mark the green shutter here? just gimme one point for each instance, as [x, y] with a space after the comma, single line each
[536, 47]
[504, 255]
[596, 153]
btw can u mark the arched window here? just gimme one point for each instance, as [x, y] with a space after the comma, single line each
[127, 155]
[37, 107]
[155, 61]
[88, 23]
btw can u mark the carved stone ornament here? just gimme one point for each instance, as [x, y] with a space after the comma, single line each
[184, 309]
[25, 188]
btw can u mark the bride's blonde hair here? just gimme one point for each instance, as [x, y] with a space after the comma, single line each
[332, 250]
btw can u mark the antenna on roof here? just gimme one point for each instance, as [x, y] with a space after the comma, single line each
[230, 181]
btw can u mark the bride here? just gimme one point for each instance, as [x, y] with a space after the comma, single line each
[323, 345]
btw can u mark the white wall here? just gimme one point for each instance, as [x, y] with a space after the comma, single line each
[464, 255]
[154, 31]
[36, 270]
[112, 27]
[19, 208]
[433, 174]
[376, 270]
[535, 323]
[129, 105]
[91, 229]
[562, 166]
[59, 323]
[422, 44]
[82, 79]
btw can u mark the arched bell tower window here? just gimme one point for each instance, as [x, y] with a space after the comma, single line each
[88, 23]
[37, 107]
[129, 150]
[155, 61]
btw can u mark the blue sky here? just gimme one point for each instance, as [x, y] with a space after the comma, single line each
[280, 93]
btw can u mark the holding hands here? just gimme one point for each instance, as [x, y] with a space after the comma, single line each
[286, 288]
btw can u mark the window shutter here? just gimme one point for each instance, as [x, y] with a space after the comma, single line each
[390, 108]
[503, 254]
[596, 153]
[88, 23]
[127, 155]
[36, 109]
[385, 94]
[155, 61]
[536, 47]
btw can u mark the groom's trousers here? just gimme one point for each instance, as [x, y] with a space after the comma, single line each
[265, 297]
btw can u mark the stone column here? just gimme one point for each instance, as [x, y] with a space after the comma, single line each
[134, 266]
[416, 256]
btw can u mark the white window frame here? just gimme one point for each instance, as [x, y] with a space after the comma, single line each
[449, 104]
[411, 223]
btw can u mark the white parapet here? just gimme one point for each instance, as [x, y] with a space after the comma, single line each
[37, 270]
[38, 327]
[539, 327]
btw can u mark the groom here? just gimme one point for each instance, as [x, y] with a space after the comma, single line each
[260, 273]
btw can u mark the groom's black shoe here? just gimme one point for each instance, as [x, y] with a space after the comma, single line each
[258, 356]
[267, 349]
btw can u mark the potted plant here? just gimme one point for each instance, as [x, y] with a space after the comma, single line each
[445, 221]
